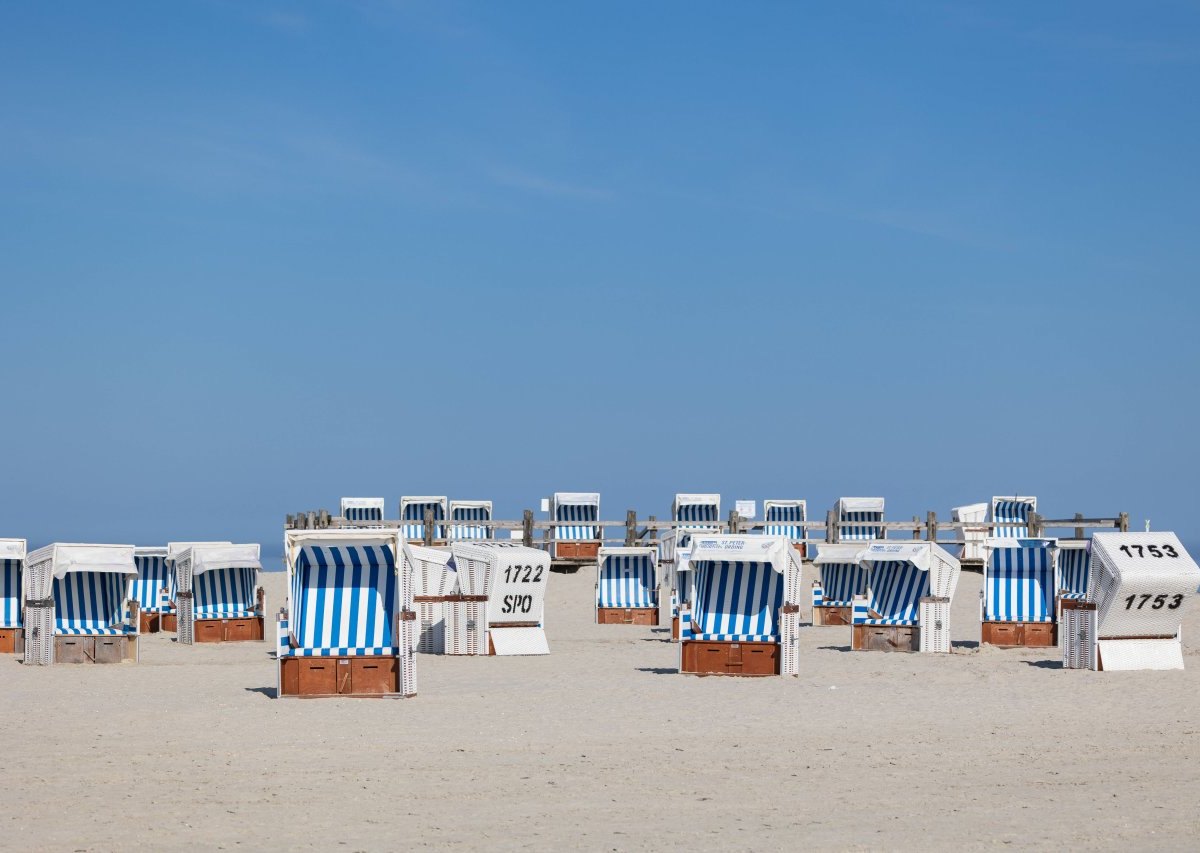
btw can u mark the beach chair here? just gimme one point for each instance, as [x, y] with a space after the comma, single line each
[972, 539]
[1011, 517]
[169, 618]
[434, 582]
[691, 513]
[363, 512]
[579, 540]
[219, 599]
[502, 590]
[1074, 570]
[858, 519]
[79, 605]
[467, 520]
[1017, 602]
[1140, 587]
[12, 596]
[840, 578]
[786, 518]
[348, 628]
[906, 606]
[154, 587]
[412, 518]
[745, 619]
[627, 586]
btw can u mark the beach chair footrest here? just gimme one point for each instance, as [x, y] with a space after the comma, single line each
[1013, 634]
[885, 638]
[627, 615]
[711, 657]
[12, 641]
[376, 675]
[232, 630]
[831, 615]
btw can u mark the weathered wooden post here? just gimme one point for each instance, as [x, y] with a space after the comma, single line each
[427, 532]
[931, 526]
[652, 532]
[312, 520]
[289, 522]
[733, 521]
[527, 529]
[630, 528]
[916, 527]
[323, 518]
[833, 533]
[1123, 522]
[1035, 525]
[1079, 530]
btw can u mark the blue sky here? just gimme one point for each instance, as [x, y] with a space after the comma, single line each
[256, 256]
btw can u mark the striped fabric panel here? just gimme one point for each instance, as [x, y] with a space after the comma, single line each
[895, 591]
[89, 603]
[576, 512]
[685, 625]
[10, 593]
[344, 596]
[153, 575]
[1013, 516]
[416, 513]
[736, 600]
[859, 529]
[696, 512]
[788, 518]
[1074, 565]
[224, 593]
[470, 513]
[343, 651]
[860, 613]
[1019, 586]
[840, 582]
[627, 581]
[364, 513]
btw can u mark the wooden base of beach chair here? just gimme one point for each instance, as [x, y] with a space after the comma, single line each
[102, 649]
[1013, 634]
[576, 550]
[169, 622]
[831, 615]
[228, 630]
[151, 623]
[342, 676]
[627, 615]
[436, 543]
[12, 641]
[708, 657]
[885, 638]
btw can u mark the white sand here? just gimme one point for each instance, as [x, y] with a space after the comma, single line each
[601, 745]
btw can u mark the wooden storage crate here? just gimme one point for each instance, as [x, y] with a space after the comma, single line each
[228, 630]
[1013, 634]
[94, 649]
[576, 550]
[674, 627]
[169, 622]
[831, 615]
[340, 676]
[705, 657]
[886, 638]
[627, 615]
[151, 623]
[12, 641]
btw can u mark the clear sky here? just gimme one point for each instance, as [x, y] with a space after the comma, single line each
[256, 256]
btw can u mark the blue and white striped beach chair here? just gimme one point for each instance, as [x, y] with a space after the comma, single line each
[858, 519]
[363, 512]
[1074, 569]
[1017, 603]
[412, 517]
[839, 579]
[627, 586]
[218, 593]
[154, 589]
[907, 604]
[467, 520]
[785, 518]
[79, 603]
[745, 618]
[577, 540]
[12, 626]
[691, 513]
[1010, 517]
[348, 627]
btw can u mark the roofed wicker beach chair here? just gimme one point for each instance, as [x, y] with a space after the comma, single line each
[691, 513]
[154, 588]
[1140, 587]
[972, 539]
[12, 596]
[1011, 517]
[745, 619]
[858, 519]
[468, 520]
[219, 599]
[79, 605]
[839, 579]
[412, 518]
[501, 606]
[907, 603]
[577, 540]
[348, 628]
[786, 518]
[434, 582]
[627, 586]
[1017, 602]
[363, 512]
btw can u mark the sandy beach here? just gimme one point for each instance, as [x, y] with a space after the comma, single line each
[601, 745]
